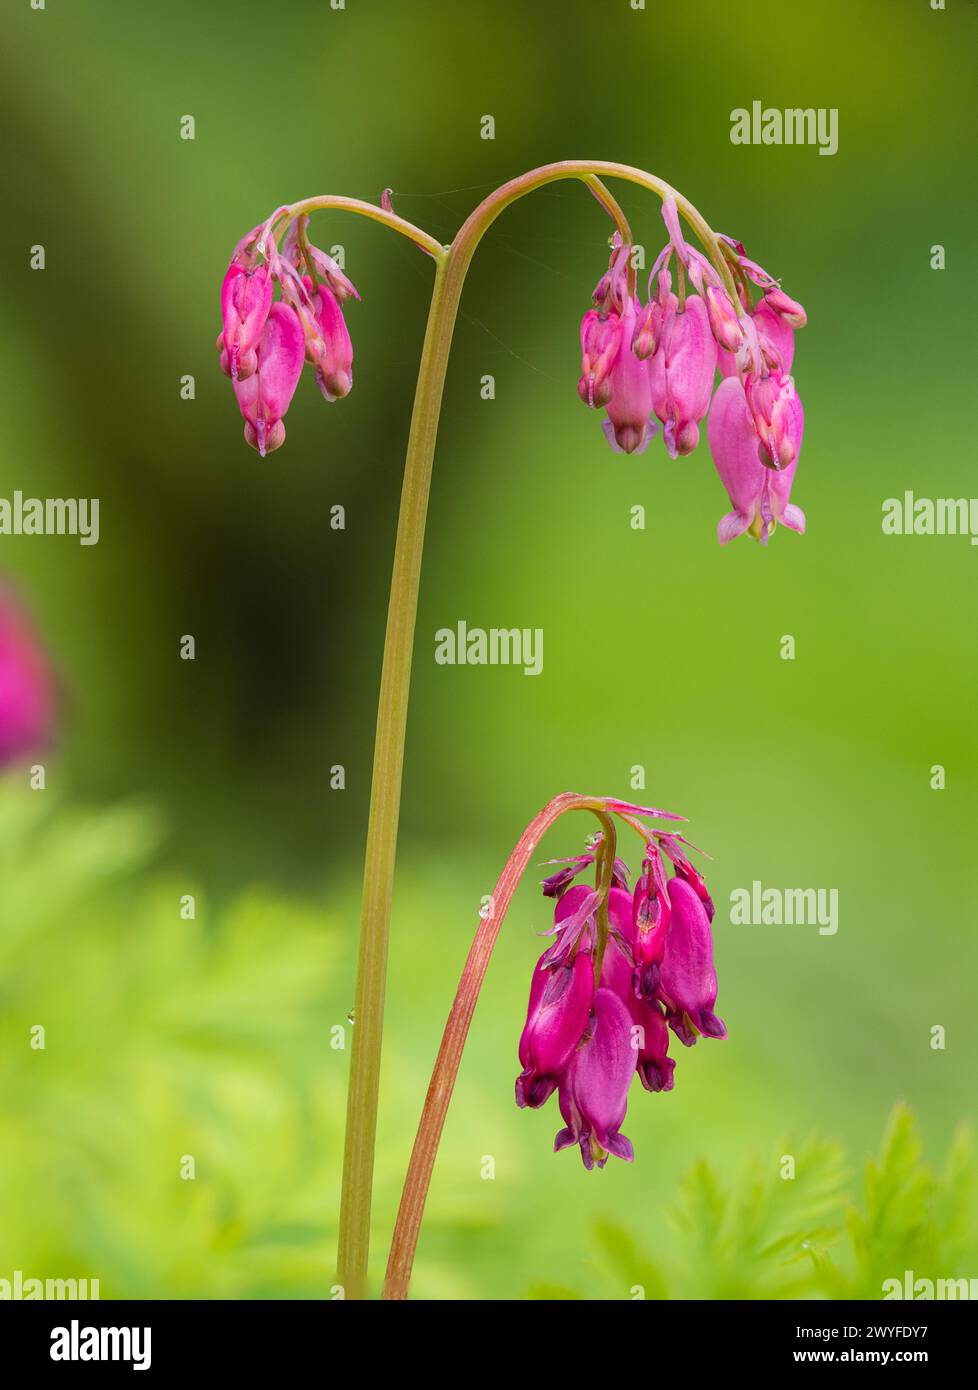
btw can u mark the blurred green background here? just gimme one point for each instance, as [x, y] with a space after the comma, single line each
[168, 1037]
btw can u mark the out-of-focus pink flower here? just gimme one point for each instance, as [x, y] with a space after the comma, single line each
[26, 686]
[760, 495]
[266, 395]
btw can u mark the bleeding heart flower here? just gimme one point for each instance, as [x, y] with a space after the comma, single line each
[266, 395]
[760, 495]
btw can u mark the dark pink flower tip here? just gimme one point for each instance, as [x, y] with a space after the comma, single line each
[264, 397]
[557, 1014]
[26, 686]
[687, 978]
[594, 1088]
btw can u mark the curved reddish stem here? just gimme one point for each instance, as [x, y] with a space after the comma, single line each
[411, 1209]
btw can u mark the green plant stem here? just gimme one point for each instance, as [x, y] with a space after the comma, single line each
[378, 875]
[452, 264]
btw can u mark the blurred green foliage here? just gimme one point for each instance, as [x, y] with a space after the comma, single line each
[167, 1037]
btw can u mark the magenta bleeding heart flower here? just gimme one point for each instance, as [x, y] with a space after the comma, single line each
[26, 686]
[613, 375]
[658, 361]
[682, 372]
[623, 969]
[265, 341]
[265, 395]
[758, 494]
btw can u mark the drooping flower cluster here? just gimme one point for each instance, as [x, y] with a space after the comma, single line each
[656, 363]
[26, 686]
[593, 1023]
[265, 341]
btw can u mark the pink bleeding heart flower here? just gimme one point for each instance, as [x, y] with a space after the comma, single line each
[334, 369]
[600, 339]
[775, 411]
[560, 1003]
[593, 1090]
[724, 319]
[26, 686]
[648, 327]
[787, 308]
[246, 300]
[759, 495]
[687, 980]
[650, 1034]
[340, 285]
[776, 338]
[650, 922]
[629, 426]
[266, 395]
[656, 972]
[682, 372]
